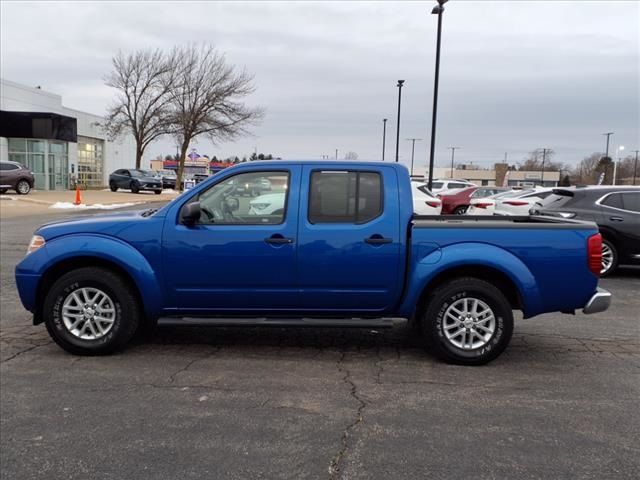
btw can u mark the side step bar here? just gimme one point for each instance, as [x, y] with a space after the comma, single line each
[281, 322]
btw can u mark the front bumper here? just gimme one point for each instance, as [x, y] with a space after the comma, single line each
[599, 302]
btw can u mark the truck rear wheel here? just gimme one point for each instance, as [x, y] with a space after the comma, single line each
[91, 311]
[467, 321]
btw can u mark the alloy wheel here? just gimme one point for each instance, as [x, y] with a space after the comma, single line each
[88, 313]
[469, 323]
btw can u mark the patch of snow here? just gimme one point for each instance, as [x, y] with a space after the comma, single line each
[95, 206]
[7, 197]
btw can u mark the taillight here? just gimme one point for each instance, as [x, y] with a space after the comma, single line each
[433, 204]
[482, 205]
[594, 253]
[515, 203]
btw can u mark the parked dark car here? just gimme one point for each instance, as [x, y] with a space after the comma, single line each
[168, 178]
[136, 180]
[616, 210]
[16, 177]
[458, 201]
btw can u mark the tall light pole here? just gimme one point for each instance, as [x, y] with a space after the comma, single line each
[608, 134]
[413, 150]
[453, 153]
[400, 82]
[384, 136]
[437, 10]
[615, 163]
[635, 167]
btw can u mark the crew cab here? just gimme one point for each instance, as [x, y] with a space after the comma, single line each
[345, 250]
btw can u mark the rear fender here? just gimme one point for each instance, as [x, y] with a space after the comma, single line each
[440, 260]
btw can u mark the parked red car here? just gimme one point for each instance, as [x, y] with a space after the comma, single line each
[458, 201]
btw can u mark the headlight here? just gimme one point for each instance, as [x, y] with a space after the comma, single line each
[36, 242]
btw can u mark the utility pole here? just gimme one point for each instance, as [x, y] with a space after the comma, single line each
[453, 153]
[400, 83]
[544, 157]
[384, 136]
[608, 134]
[413, 149]
[336, 153]
[635, 167]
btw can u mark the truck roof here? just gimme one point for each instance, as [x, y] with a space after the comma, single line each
[337, 163]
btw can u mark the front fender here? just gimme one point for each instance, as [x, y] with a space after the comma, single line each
[31, 270]
[439, 260]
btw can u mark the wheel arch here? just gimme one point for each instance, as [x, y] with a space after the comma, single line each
[479, 271]
[74, 252]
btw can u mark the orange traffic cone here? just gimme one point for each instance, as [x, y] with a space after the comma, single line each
[78, 200]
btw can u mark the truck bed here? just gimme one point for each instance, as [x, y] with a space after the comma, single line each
[499, 221]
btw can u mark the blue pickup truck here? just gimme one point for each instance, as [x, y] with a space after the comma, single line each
[327, 244]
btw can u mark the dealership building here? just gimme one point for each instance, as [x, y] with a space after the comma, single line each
[57, 143]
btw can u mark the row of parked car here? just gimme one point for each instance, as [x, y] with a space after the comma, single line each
[615, 209]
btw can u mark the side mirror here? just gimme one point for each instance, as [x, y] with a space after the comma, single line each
[190, 213]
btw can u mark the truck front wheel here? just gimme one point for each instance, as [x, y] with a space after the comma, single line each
[467, 321]
[91, 311]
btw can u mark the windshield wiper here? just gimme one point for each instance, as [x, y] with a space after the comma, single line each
[149, 212]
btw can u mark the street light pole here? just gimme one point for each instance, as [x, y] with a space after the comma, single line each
[437, 10]
[453, 152]
[413, 149]
[400, 82]
[635, 167]
[384, 136]
[615, 163]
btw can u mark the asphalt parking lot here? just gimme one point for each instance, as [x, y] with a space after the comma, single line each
[194, 403]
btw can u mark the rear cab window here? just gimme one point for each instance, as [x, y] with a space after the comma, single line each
[345, 196]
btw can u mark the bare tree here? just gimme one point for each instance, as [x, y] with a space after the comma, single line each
[584, 172]
[533, 161]
[143, 80]
[207, 99]
[351, 156]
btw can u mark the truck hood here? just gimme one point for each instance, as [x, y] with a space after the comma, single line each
[113, 224]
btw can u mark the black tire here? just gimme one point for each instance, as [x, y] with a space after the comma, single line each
[135, 188]
[460, 210]
[127, 312]
[613, 264]
[434, 323]
[23, 187]
[157, 192]
[3, 190]
[113, 187]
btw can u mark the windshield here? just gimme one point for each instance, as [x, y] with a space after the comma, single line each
[143, 173]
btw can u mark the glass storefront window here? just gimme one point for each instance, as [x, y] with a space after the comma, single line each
[35, 146]
[90, 161]
[17, 145]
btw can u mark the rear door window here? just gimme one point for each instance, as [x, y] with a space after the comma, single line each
[345, 196]
[614, 200]
[631, 201]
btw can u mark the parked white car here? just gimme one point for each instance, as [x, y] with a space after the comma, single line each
[441, 184]
[269, 204]
[487, 205]
[424, 202]
[521, 204]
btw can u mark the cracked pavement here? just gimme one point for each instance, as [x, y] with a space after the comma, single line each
[193, 403]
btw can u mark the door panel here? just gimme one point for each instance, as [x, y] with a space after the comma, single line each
[236, 259]
[345, 265]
